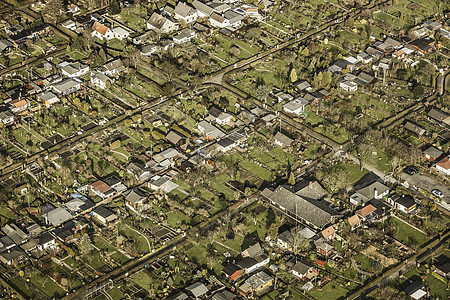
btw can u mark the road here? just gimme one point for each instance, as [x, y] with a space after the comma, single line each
[427, 183]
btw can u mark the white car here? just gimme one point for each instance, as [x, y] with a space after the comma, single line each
[437, 193]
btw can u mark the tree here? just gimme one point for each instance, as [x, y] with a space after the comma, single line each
[86, 246]
[235, 51]
[291, 179]
[262, 92]
[305, 52]
[115, 144]
[114, 7]
[293, 76]
[326, 78]
[418, 91]
[127, 122]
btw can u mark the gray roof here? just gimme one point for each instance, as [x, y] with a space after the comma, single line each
[433, 152]
[259, 279]
[197, 289]
[296, 104]
[414, 128]
[58, 216]
[203, 8]
[283, 139]
[224, 295]
[65, 85]
[156, 20]
[115, 64]
[317, 213]
[136, 195]
[184, 10]
[5, 44]
[302, 267]
[437, 114]
[369, 190]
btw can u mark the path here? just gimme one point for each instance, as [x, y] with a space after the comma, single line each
[225, 246]
[355, 266]
[120, 153]
[148, 243]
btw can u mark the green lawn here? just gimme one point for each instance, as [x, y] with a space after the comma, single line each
[94, 260]
[22, 288]
[282, 156]
[218, 185]
[115, 294]
[102, 244]
[438, 288]
[331, 291]
[119, 257]
[142, 279]
[256, 170]
[176, 219]
[406, 234]
[46, 285]
[141, 242]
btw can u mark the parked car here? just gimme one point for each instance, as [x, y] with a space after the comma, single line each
[437, 193]
[410, 170]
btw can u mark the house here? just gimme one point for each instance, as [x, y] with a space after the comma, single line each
[354, 221]
[301, 85]
[197, 290]
[374, 52]
[444, 165]
[162, 183]
[161, 24]
[254, 258]
[209, 131]
[101, 31]
[366, 213]
[67, 86]
[185, 35]
[219, 6]
[104, 215]
[69, 24]
[5, 45]
[14, 256]
[404, 203]
[444, 269]
[179, 296]
[102, 190]
[46, 241]
[250, 11]
[57, 216]
[203, 10]
[141, 172]
[365, 78]
[329, 233]
[282, 140]
[31, 33]
[112, 67]
[226, 144]
[285, 240]
[224, 119]
[365, 192]
[304, 270]
[323, 247]
[6, 243]
[424, 45]
[232, 272]
[72, 8]
[223, 295]
[148, 50]
[7, 117]
[281, 96]
[414, 128]
[99, 80]
[135, 198]
[416, 290]
[19, 105]
[217, 20]
[120, 33]
[315, 213]
[296, 106]
[74, 70]
[438, 116]
[349, 86]
[186, 13]
[256, 284]
[48, 98]
[115, 183]
[432, 153]
[234, 18]
[364, 57]
[15, 233]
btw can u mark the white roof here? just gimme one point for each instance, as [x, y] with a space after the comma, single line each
[120, 30]
[418, 294]
[49, 97]
[351, 60]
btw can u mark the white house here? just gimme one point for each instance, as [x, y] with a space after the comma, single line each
[104, 215]
[69, 24]
[48, 98]
[46, 241]
[296, 106]
[217, 20]
[364, 57]
[184, 36]
[120, 33]
[349, 86]
[101, 31]
[67, 86]
[99, 80]
[304, 270]
[7, 117]
[224, 119]
[444, 165]
[185, 13]
[161, 24]
[203, 10]
[75, 70]
[282, 140]
[148, 50]
[234, 18]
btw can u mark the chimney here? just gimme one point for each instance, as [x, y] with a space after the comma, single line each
[310, 185]
[375, 193]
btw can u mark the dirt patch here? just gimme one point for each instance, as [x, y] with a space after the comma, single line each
[373, 253]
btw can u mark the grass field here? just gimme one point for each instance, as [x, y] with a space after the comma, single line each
[406, 234]
[46, 285]
[141, 242]
[330, 291]
[256, 170]
[219, 185]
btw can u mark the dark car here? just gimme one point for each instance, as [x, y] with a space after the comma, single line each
[411, 170]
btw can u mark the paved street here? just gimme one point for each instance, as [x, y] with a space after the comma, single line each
[427, 183]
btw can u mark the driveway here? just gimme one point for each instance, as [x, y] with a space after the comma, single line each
[427, 183]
